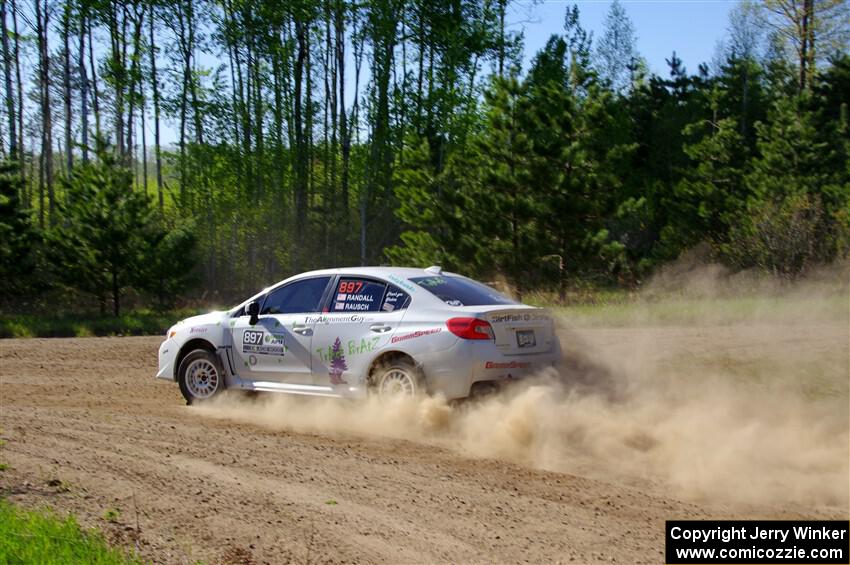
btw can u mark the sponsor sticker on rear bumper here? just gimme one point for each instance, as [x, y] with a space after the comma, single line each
[507, 365]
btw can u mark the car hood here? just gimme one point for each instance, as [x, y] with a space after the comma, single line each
[212, 318]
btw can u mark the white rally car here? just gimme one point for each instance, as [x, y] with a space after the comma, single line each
[349, 332]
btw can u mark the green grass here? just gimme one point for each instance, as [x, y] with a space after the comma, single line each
[112, 515]
[141, 322]
[41, 537]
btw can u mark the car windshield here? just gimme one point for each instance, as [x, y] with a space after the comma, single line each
[459, 291]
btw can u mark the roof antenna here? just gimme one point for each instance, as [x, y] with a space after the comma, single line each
[434, 269]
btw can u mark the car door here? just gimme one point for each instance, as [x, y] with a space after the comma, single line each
[364, 313]
[277, 348]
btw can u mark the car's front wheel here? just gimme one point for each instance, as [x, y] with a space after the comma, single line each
[200, 376]
[398, 377]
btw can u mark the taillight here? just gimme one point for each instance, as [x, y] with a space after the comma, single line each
[470, 328]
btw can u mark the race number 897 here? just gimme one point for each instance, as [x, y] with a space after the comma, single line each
[252, 338]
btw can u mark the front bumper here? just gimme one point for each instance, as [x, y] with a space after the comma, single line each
[167, 355]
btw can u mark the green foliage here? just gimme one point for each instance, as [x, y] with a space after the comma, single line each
[801, 184]
[142, 322]
[582, 167]
[712, 194]
[39, 537]
[779, 236]
[169, 268]
[19, 239]
[534, 188]
[111, 239]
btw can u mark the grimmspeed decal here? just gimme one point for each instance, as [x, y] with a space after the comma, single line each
[416, 334]
[510, 365]
[263, 343]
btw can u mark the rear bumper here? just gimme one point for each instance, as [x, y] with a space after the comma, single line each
[452, 372]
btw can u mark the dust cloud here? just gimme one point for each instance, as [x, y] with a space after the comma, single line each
[747, 405]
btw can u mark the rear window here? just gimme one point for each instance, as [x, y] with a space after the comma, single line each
[458, 291]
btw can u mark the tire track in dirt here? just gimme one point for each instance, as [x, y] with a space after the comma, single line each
[87, 429]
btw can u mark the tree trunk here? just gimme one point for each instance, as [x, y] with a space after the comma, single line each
[190, 68]
[116, 294]
[144, 149]
[804, 44]
[84, 88]
[96, 97]
[135, 81]
[810, 38]
[184, 95]
[300, 154]
[117, 70]
[344, 135]
[10, 95]
[66, 84]
[308, 122]
[255, 95]
[156, 144]
[42, 16]
[502, 10]
[19, 89]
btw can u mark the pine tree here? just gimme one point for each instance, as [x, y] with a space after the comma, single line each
[616, 51]
[507, 196]
[712, 196]
[338, 365]
[800, 195]
[19, 239]
[111, 238]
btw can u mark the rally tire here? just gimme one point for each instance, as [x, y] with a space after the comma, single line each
[399, 376]
[200, 376]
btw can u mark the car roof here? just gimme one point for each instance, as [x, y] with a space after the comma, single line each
[381, 272]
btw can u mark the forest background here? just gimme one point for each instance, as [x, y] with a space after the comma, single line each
[320, 133]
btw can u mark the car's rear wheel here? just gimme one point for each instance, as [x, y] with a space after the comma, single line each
[200, 376]
[398, 377]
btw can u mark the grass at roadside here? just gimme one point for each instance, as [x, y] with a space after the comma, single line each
[142, 322]
[625, 309]
[40, 537]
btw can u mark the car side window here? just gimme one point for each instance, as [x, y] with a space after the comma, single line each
[296, 297]
[395, 299]
[357, 295]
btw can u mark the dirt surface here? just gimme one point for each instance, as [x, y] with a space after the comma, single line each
[87, 429]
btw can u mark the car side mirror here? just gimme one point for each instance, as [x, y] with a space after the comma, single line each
[253, 310]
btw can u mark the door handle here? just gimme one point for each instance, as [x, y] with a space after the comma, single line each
[380, 328]
[302, 330]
